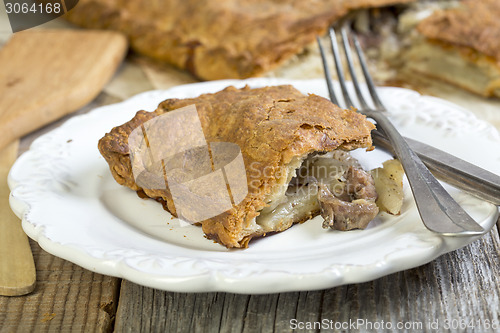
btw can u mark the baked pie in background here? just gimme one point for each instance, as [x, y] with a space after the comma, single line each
[461, 45]
[218, 39]
[450, 40]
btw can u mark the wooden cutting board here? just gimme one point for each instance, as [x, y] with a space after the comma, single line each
[17, 269]
[45, 74]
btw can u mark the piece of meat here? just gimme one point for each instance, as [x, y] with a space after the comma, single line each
[352, 209]
[360, 184]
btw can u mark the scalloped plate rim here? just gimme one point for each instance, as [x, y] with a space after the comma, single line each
[211, 281]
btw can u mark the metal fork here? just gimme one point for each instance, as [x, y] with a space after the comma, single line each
[440, 213]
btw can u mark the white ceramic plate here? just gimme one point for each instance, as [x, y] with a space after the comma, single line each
[69, 203]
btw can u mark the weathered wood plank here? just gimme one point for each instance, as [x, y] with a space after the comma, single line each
[17, 268]
[66, 298]
[462, 285]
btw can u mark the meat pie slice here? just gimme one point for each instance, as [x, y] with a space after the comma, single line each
[279, 132]
[461, 46]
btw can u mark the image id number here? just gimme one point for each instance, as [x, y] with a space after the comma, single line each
[462, 324]
[25, 8]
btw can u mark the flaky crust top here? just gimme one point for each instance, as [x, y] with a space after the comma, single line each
[217, 39]
[474, 24]
[271, 125]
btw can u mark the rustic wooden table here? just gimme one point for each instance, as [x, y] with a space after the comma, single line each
[462, 287]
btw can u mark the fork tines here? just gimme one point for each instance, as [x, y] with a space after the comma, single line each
[438, 210]
[350, 64]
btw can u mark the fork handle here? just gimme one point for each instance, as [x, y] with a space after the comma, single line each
[451, 169]
[435, 205]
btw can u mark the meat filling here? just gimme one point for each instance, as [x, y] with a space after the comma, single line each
[333, 185]
[354, 206]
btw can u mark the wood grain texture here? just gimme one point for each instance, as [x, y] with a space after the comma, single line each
[17, 269]
[464, 284]
[49, 73]
[67, 298]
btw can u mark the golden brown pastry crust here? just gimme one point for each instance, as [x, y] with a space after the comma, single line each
[271, 125]
[474, 24]
[218, 39]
